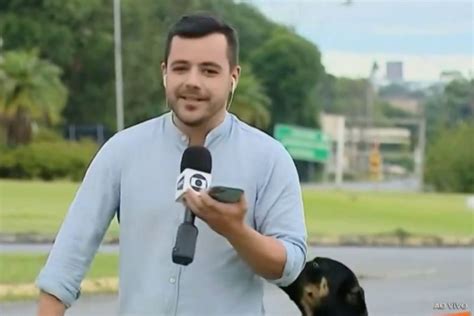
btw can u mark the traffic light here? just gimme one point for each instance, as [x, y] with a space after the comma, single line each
[375, 163]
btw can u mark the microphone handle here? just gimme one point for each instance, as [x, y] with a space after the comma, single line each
[186, 237]
[189, 216]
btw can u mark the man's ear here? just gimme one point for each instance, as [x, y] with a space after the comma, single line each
[235, 78]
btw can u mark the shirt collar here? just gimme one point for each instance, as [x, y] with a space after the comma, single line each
[178, 137]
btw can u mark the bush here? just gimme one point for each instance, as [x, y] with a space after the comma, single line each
[47, 160]
[47, 135]
[450, 160]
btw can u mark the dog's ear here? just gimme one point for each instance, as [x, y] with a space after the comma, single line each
[356, 298]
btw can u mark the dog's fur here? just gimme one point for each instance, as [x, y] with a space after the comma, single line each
[327, 287]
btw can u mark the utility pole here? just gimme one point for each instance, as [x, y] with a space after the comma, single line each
[369, 112]
[420, 152]
[1, 46]
[341, 128]
[370, 95]
[118, 66]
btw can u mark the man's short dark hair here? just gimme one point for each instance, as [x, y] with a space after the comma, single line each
[202, 24]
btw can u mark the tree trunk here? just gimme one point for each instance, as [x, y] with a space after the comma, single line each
[19, 130]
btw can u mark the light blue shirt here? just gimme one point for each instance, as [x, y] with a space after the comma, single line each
[136, 171]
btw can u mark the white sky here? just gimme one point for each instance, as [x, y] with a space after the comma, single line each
[427, 36]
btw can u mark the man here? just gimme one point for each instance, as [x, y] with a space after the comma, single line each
[261, 236]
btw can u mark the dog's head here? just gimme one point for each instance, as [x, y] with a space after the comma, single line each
[327, 287]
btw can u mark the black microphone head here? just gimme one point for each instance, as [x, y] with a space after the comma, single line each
[197, 158]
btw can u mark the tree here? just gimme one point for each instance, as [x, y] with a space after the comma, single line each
[348, 97]
[78, 37]
[449, 107]
[399, 90]
[450, 160]
[450, 126]
[29, 88]
[459, 101]
[343, 95]
[250, 103]
[75, 35]
[289, 68]
[252, 26]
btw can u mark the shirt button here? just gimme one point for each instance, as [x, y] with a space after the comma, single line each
[172, 280]
[184, 138]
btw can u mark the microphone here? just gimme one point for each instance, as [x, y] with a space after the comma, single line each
[196, 165]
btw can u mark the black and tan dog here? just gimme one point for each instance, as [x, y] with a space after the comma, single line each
[327, 287]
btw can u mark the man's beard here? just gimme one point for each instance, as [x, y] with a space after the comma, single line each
[211, 110]
[188, 122]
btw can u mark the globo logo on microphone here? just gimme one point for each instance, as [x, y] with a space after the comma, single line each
[191, 179]
[198, 182]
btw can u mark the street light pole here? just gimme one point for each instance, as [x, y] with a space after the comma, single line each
[118, 66]
[420, 152]
[1, 46]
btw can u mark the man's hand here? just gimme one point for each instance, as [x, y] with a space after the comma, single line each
[266, 255]
[224, 218]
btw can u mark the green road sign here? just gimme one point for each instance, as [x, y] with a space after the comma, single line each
[304, 143]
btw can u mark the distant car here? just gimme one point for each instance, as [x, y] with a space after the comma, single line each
[396, 170]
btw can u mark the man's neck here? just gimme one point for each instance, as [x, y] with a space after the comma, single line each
[197, 134]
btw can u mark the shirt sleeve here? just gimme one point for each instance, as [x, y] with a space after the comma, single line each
[83, 228]
[279, 213]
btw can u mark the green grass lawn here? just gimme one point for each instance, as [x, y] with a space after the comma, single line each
[24, 268]
[18, 273]
[335, 213]
[39, 207]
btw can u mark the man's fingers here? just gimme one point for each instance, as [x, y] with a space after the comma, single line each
[207, 200]
[193, 201]
[243, 202]
[211, 203]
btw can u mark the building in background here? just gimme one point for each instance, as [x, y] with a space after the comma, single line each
[393, 143]
[450, 75]
[394, 71]
[406, 103]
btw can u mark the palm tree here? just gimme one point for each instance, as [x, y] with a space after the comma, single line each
[30, 88]
[250, 102]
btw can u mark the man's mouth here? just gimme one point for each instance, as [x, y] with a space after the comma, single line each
[191, 98]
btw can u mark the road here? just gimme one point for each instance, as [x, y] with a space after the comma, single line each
[397, 282]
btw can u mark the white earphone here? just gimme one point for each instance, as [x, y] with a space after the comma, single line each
[233, 85]
[164, 80]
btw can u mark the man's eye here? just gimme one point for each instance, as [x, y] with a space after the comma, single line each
[179, 69]
[210, 71]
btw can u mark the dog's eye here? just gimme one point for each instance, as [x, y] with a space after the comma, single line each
[315, 265]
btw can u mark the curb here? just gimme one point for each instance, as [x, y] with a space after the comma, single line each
[392, 241]
[396, 239]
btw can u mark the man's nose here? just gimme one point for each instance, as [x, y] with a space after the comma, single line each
[193, 79]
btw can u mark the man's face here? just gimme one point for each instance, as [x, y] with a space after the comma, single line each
[198, 78]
